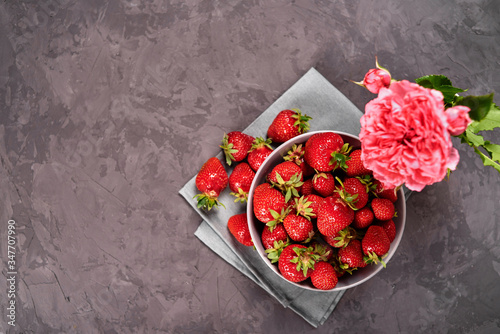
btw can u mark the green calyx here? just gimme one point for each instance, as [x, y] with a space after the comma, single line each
[228, 149]
[302, 208]
[372, 258]
[345, 196]
[289, 188]
[277, 218]
[274, 253]
[305, 259]
[207, 202]
[241, 196]
[340, 158]
[302, 121]
[260, 142]
[345, 236]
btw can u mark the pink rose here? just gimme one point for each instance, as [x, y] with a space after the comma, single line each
[404, 136]
[458, 119]
[375, 79]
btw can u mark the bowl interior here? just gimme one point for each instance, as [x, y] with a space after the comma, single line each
[256, 227]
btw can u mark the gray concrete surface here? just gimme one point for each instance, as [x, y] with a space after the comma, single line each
[109, 107]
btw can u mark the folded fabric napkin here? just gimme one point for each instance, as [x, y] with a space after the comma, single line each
[330, 110]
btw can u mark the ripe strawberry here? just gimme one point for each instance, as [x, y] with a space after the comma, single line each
[296, 262]
[211, 180]
[325, 251]
[324, 183]
[324, 151]
[287, 176]
[298, 227]
[238, 226]
[383, 209]
[288, 124]
[333, 216]
[351, 257]
[269, 236]
[307, 187]
[260, 150]
[375, 244]
[296, 154]
[389, 228]
[267, 198]
[342, 238]
[315, 202]
[324, 277]
[354, 187]
[236, 145]
[355, 166]
[363, 218]
[388, 193]
[240, 181]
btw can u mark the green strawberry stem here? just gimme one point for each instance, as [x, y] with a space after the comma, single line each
[207, 202]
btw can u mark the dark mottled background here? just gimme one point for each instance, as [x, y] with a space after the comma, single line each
[109, 107]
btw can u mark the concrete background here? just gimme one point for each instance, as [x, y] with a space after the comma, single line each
[109, 107]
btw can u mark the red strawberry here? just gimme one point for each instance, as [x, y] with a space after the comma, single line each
[288, 124]
[383, 209]
[238, 226]
[211, 180]
[324, 151]
[375, 244]
[298, 227]
[287, 176]
[342, 238]
[296, 262]
[325, 251]
[363, 218]
[324, 277]
[324, 184]
[351, 256]
[389, 228]
[388, 193]
[267, 198]
[296, 154]
[333, 216]
[307, 187]
[260, 150]
[355, 166]
[315, 201]
[269, 236]
[236, 145]
[354, 187]
[240, 181]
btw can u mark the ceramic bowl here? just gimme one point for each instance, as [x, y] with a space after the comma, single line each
[346, 281]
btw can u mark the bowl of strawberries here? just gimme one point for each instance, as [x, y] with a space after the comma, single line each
[318, 217]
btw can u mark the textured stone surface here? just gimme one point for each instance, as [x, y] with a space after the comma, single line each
[109, 107]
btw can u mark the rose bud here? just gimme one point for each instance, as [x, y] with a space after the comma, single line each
[458, 119]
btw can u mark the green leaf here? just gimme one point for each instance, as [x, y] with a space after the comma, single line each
[442, 84]
[479, 105]
[494, 150]
[487, 161]
[489, 122]
[472, 139]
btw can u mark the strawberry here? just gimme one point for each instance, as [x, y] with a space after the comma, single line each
[275, 251]
[333, 216]
[287, 176]
[324, 277]
[342, 238]
[388, 193]
[324, 151]
[307, 187]
[325, 251]
[240, 181]
[315, 202]
[211, 180]
[375, 244]
[267, 198]
[296, 154]
[298, 227]
[259, 151]
[296, 262]
[324, 183]
[355, 166]
[363, 218]
[352, 257]
[389, 228]
[288, 124]
[354, 187]
[383, 209]
[270, 236]
[238, 226]
[236, 145]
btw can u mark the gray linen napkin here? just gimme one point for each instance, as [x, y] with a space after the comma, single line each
[330, 110]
